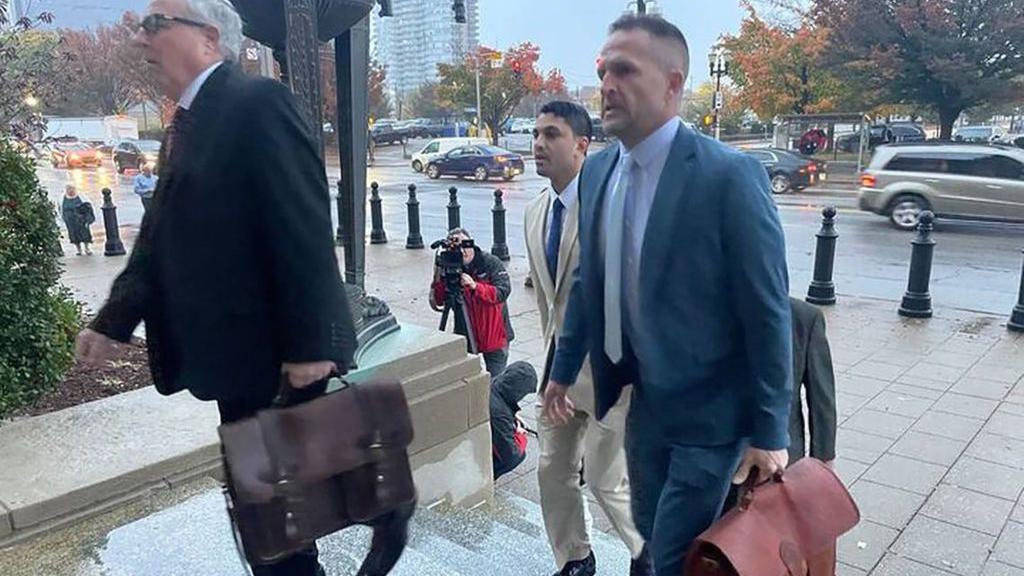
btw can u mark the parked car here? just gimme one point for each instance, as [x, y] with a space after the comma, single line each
[982, 182]
[979, 134]
[134, 154]
[426, 128]
[480, 161]
[385, 132]
[789, 171]
[1014, 140]
[880, 134]
[74, 155]
[439, 147]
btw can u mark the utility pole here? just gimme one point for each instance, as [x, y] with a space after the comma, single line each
[479, 121]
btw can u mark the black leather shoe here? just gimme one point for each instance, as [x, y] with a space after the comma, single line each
[641, 565]
[585, 567]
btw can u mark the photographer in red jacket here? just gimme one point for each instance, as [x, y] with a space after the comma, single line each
[486, 287]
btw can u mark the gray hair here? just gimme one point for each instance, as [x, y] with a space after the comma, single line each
[221, 15]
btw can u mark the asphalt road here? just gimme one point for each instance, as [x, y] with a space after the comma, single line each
[976, 266]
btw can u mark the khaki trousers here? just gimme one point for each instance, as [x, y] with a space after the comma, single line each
[563, 450]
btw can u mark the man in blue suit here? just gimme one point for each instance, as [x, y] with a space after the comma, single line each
[681, 291]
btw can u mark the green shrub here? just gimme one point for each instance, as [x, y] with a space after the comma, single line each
[38, 316]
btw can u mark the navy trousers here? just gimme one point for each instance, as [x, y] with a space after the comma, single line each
[677, 489]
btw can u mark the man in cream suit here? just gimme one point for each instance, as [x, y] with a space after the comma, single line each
[561, 138]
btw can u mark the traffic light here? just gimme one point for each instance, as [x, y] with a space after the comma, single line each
[459, 7]
[517, 69]
[709, 119]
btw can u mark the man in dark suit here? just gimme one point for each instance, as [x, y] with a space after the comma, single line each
[682, 291]
[812, 371]
[234, 270]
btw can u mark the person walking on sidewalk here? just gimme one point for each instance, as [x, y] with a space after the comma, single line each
[77, 215]
[681, 291]
[144, 185]
[234, 270]
[560, 141]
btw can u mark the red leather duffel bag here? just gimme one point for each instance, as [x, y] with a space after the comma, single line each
[787, 526]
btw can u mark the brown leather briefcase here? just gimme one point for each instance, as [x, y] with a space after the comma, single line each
[787, 526]
[297, 473]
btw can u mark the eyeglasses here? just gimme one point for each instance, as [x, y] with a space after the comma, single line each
[154, 23]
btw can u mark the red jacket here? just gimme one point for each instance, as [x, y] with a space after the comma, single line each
[485, 314]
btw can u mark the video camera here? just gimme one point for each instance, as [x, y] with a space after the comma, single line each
[449, 261]
[449, 257]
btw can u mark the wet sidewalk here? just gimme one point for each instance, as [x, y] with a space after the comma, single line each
[931, 439]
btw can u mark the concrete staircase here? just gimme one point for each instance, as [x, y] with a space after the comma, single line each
[506, 539]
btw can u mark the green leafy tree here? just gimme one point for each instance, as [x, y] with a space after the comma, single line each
[502, 86]
[425, 103]
[732, 114]
[948, 55]
[379, 101]
[30, 59]
[38, 317]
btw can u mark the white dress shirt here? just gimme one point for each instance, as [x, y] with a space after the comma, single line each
[568, 198]
[189, 95]
[649, 157]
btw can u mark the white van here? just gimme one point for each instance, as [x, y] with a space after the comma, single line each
[439, 147]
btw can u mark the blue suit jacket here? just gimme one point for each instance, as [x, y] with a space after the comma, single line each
[714, 358]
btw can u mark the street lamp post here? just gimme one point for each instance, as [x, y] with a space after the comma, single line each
[719, 67]
[479, 119]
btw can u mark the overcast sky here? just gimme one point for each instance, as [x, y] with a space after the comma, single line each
[570, 32]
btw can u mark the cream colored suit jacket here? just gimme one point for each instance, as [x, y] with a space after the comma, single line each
[553, 296]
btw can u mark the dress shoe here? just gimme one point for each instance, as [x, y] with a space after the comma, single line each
[585, 567]
[641, 565]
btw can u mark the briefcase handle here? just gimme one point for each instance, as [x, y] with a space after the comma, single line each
[286, 393]
[751, 484]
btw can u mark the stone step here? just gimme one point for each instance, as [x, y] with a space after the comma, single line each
[193, 538]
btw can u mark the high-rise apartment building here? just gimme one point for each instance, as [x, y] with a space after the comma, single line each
[421, 34]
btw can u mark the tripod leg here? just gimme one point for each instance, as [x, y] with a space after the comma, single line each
[463, 313]
[444, 317]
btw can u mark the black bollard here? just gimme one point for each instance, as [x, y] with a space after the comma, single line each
[1016, 322]
[377, 234]
[917, 302]
[500, 248]
[113, 246]
[822, 290]
[453, 208]
[414, 240]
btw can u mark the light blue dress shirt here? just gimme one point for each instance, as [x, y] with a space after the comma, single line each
[649, 157]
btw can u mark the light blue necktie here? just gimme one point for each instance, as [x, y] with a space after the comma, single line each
[613, 262]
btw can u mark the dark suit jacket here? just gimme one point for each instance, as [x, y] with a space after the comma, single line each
[812, 370]
[715, 348]
[234, 270]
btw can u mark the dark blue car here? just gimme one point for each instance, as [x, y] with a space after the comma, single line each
[479, 162]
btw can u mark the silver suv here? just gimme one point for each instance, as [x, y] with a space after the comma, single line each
[972, 181]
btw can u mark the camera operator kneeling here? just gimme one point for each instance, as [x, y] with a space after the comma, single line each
[486, 287]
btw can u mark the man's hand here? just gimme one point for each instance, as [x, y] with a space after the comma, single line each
[302, 375]
[468, 281]
[93, 348]
[557, 407]
[768, 462]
